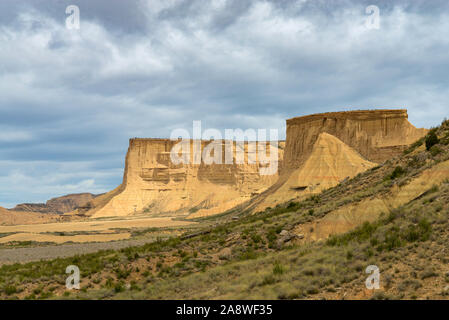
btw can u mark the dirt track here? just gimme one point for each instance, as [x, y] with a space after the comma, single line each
[22, 255]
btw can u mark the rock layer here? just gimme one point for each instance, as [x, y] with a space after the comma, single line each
[320, 150]
[323, 149]
[378, 135]
[152, 183]
[330, 161]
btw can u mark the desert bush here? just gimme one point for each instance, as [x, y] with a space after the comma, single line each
[421, 232]
[431, 139]
[119, 287]
[278, 269]
[267, 280]
[256, 238]
[9, 290]
[122, 273]
[435, 150]
[409, 283]
[397, 172]
[428, 273]
[293, 205]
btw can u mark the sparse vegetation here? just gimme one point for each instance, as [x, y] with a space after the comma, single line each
[397, 172]
[431, 139]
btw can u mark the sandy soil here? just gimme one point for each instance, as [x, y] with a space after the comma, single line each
[38, 237]
[95, 225]
[97, 230]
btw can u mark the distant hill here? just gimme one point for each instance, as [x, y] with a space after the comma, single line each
[57, 205]
[10, 217]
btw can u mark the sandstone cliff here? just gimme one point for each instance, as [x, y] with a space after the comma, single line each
[330, 161]
[320, 150]
[153, 184]
[378, 135]
[323, 149]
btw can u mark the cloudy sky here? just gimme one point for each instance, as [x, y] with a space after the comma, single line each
[71, 99]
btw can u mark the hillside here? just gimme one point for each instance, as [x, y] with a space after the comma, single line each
[10, 217]
[394, 215]
[57, 205]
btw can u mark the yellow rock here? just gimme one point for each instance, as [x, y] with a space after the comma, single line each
[330, 162]
[320, 150]
[153, 184]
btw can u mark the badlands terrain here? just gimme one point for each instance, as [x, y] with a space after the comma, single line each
[353, 189]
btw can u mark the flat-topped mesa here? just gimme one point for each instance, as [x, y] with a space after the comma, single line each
[377, 135]
[154, 183]
[320, 150]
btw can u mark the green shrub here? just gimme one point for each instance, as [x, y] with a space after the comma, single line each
[431, 140]
[9, 290]
[292, 205]
[359, 234]
[119, 288]
[122, 273]
[349, 255]
[397, 172]
[278, 269]
[434, 151]
[421, 232]
[256, 238]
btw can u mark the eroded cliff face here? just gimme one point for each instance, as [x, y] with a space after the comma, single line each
[324, 149]
[329, 162]
[155, 184]
[320, 151]
[378, 135]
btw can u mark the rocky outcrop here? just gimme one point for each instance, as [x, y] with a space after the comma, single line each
[323, 149]
[320, 151]
[378, 135]
[58, 205]
[329, 162]
[153, 183]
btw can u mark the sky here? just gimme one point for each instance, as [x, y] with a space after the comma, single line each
[70, 99]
